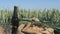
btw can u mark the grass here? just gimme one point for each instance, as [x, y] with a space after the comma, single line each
[49, 17]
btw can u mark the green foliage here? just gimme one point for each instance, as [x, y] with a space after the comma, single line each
[47, 17]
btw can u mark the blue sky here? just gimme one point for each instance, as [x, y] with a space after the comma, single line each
[30, 4]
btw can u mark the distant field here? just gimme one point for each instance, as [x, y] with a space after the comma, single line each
[49, 17]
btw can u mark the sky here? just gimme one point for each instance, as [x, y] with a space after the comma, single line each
[30, 4]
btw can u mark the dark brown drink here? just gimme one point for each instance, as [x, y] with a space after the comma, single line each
[15, 21]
